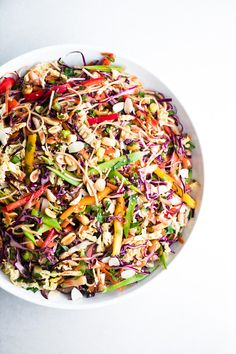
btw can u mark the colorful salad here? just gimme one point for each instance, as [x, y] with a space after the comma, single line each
[95, 178]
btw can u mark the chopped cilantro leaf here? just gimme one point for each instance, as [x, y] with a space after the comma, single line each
[69, 72]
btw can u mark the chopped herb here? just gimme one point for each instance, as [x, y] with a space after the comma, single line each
[171, 113]
[107, 130]
[190, 172]
[170, 230]
[190, 146]
[69, 72]
[65, 133]
[29, 147]
[27, 256]
[34, 290]
[107, 203]
[56, 106]
[60, 249]
[15, 159]
[92, 113]
[141, 94]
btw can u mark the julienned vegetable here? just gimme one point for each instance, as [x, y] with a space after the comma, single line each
[103, 68]
[30, 151]
[65, 176]
[134, 279]
[21, 202]
[88, 200]
[95, 177]
[117, 163]
[129, 213]
[186, 197]
[49, 238]
[6, 84]
[118, 226]
[29, 236]
[51, 222]
[115, 173]
[97, 120]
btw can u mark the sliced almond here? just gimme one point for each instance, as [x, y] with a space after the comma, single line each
[127, 273]
[55, 129]
[34, 176]
[118, 107]
[128, 106]
[76, 147]
[76, 294]
[108, 141]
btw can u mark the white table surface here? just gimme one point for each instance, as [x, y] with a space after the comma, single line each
[190, 308]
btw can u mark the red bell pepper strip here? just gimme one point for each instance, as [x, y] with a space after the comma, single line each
[92, 81]
[100, 119]
[12, 104]
[34, 96]
[24, 200]
[109, 57]
[106, 61]
[6, 83]
[58, 89]
[49, 238]
[167, 130]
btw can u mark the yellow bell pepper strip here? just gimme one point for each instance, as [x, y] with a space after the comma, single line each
[186, 197]
[129, 213]
[88, 200]
[118, 226]
[30, 150]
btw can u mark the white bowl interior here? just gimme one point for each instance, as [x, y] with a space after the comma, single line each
[150, 82]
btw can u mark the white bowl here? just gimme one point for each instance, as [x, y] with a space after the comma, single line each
[149, 81]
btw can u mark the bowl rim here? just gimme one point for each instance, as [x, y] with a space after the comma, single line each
[13, 290]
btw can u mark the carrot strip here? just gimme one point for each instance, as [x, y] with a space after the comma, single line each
[65, 223]
[88, 200]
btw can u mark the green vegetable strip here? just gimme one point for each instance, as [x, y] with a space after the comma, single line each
[129, 214]
[131, 280]
[105, 68]
[117, 174]
[43, 228]
[162, 258]
[29, 236]
[53, 223]
[64, 176]
[121, 161]
[136, 278]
